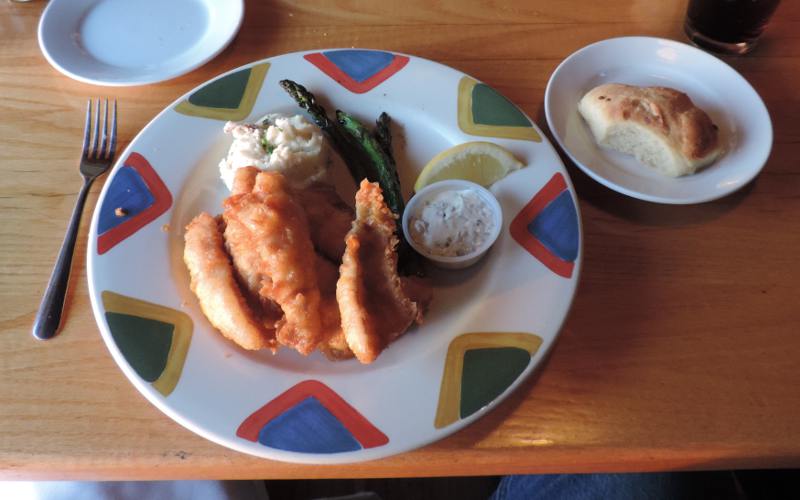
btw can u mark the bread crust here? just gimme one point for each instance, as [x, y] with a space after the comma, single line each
[669, 113]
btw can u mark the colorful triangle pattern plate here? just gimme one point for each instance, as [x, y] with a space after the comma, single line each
[547, 227]
[135, 197]
[311, 418]
[429, 383]
[230, 97]
[153, 339]
[478, 368]
[485, 112]
[358, 71]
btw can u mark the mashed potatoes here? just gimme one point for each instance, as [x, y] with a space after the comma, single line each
[290, 145]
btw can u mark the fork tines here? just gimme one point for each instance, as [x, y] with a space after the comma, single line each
[102, 146]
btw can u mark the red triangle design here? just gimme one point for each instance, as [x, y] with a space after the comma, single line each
[161, 195]
[319, 60]
[362, 430]
[519, 227]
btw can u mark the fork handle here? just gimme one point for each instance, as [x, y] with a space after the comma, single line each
[48, 318]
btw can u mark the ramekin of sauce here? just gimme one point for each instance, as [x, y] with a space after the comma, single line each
[453, 223]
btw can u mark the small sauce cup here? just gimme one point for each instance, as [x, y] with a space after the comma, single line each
[414, 209]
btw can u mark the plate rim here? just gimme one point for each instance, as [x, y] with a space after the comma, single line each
[322, 458]
[588, 170]
[41, 34]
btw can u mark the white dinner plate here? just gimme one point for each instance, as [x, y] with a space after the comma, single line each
[125, 42]
[733, 105]
[486, 330]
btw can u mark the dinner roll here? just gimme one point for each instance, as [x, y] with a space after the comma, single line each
[660, 126]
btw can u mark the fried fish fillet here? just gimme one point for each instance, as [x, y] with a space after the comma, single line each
[249, 273]
[329, 218]
[274, 225]
[213, 282]
[373, 303]
[246, 262]
[244, 180]
[334, 345]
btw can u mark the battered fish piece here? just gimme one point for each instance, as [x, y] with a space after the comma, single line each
[249, 273]
[244, 180]
[274, 225]
[213, 282]
[246, 262]
[334, 344]
[374, 305]
[329, 219]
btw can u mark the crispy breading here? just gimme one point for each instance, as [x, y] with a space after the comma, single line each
[246, 262]
[272, 288]
[374, 306]
[334, 345]
[275, 225]
[329, 219]
[213, 282]
[244, 180]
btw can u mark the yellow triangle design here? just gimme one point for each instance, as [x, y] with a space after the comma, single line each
[253, 87]
[181, 337]
[467, 123]
[447, 411]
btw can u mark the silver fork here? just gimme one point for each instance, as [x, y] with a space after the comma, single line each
[96, 158]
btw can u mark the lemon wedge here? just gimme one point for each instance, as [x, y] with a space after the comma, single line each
[481, 162]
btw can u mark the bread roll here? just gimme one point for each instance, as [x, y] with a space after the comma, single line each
[660, 126]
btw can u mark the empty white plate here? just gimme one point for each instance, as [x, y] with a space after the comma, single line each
[738, 111]
[123, 42]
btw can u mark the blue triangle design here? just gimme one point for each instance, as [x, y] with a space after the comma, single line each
[308, 427]
[360, 65]
[556, 227]
[127, 191]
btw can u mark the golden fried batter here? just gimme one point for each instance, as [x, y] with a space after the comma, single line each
[246, 262]
[274, 225]
[213, 282]
[272, 288]
[329, 219]
[373, 303]
[334, 345]
[244, 180]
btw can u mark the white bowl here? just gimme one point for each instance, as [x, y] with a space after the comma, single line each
[461, 261]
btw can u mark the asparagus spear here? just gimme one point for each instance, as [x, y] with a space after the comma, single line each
[379, 150]
[383, 170]
[384, 136]
[366, 156]
[355, 158]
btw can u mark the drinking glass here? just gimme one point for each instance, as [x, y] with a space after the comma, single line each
[728, 26]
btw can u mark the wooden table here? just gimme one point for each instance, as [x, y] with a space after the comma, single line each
[682, 350]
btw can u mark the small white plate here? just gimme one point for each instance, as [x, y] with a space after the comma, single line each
[122, 42]
[734, 106]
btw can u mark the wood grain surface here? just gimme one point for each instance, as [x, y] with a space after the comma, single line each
[682, 350]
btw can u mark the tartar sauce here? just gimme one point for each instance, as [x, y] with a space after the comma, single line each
[452, 223]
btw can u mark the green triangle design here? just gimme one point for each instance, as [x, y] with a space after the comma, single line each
[145, 343]
[491, 108]
[487, 373]
[226, 92]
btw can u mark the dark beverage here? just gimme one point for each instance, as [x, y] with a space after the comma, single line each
[731, 26]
